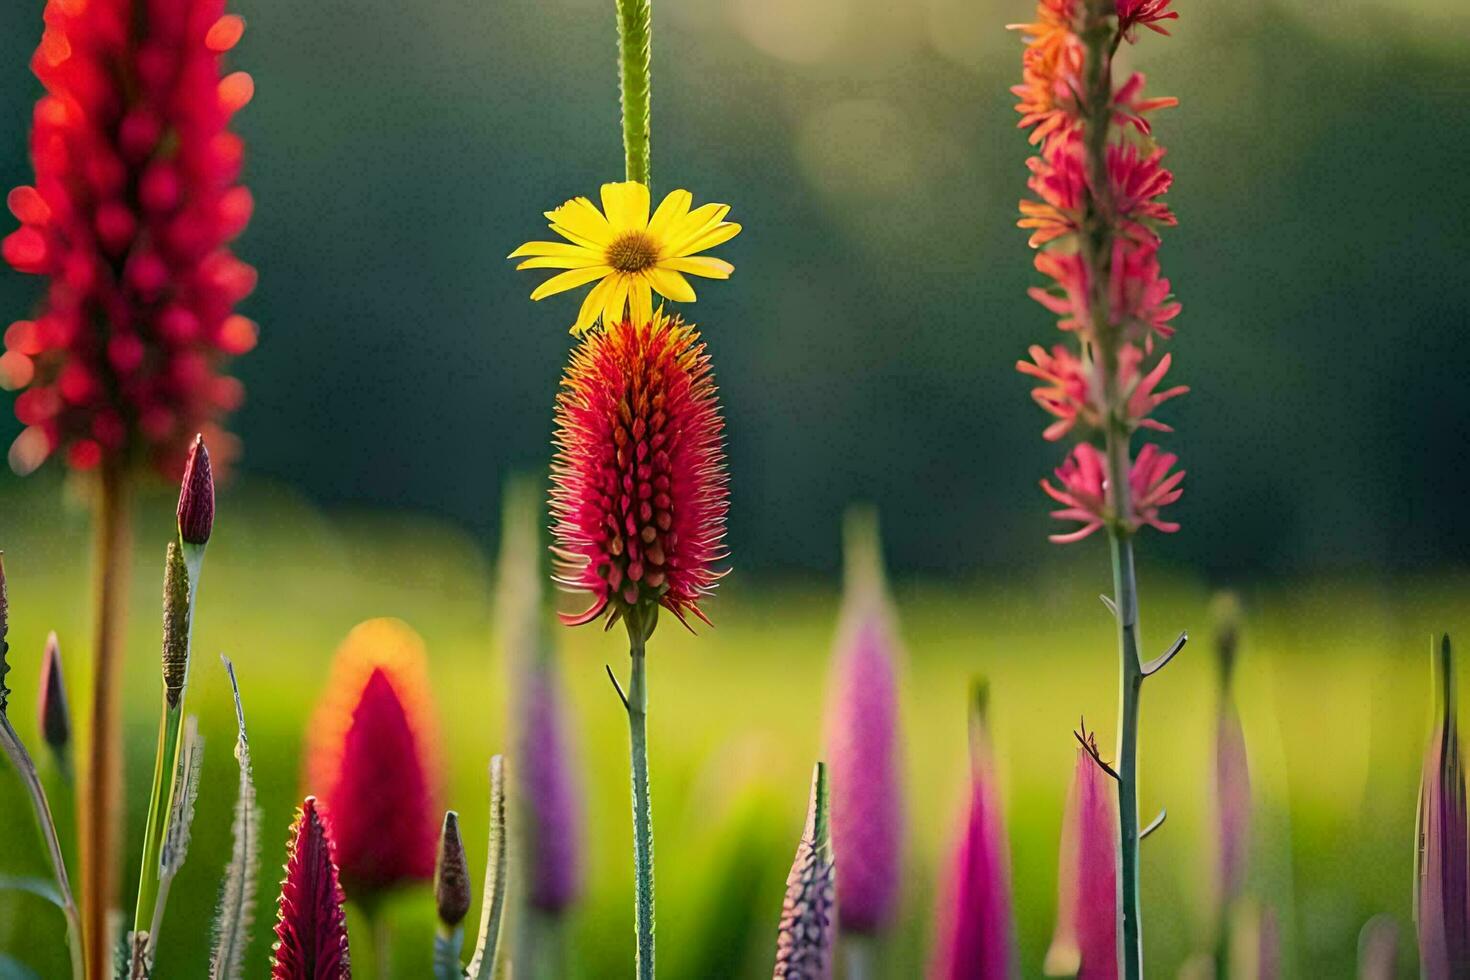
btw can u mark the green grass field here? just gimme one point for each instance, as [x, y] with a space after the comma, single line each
[1333, 692]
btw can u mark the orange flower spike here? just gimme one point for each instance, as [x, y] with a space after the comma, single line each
[370, 757]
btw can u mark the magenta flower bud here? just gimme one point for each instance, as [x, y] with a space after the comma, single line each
[976, 925]
[53, 712]
[863, 739]
[809, 911]
[1442, 859]
[196, 496]
[1085, 943]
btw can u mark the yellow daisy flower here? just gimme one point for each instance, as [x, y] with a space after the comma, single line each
[627, 254]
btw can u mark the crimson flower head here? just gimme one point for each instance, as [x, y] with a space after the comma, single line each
[311, 926]
[135, 201]
[369, 756]
[639, 490]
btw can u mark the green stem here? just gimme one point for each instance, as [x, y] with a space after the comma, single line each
[1125, 586]
[642, 807]
[635, 29]
[21, 759]
[165, 761]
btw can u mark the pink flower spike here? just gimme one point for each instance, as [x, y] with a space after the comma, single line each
[311, 927]
[1441, 903]
[1085, 943]
[862, 738]
[976, 925]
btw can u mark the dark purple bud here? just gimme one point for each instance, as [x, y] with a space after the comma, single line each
[196, 496]
[54, 714]
[451, 874]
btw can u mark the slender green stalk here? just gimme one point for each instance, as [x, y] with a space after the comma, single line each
[1125, 591]
[642, 806]
[21, 759]
[635, 29]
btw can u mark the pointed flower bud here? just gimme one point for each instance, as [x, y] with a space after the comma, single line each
[976, 924]
[1085, 943]
[175, 625]
[311, 926]
[862, 738]
[639, 487]
[196, 496]
[451, 874]
[54, 714]
[369, 751]
[1442, 858]
[809, 912]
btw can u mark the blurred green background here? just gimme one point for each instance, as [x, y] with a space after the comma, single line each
[398, 151]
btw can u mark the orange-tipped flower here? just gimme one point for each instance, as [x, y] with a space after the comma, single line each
[369, 752]
[640, 491]
[311, 927]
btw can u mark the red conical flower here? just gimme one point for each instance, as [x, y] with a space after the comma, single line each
[369, 755]
[134, 204]
[1085, 943]
[311, 927]
[639, 493]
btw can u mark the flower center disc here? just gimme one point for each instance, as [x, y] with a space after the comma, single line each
[632, 251]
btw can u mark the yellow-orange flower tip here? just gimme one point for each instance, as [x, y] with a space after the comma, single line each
[628, 254]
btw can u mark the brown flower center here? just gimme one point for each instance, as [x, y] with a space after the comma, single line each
[632, 251]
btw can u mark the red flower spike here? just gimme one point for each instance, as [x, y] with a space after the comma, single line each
[133, 206]
[370, 753]
[311, 926]
[639, 489]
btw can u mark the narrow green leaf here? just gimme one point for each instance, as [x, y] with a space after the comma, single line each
[492, 909]
[236, 911]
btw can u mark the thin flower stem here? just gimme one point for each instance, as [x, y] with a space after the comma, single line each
[164, 764]
[102, 785]
[642, 806]
[24, 765]
[635, 30]
[1130, 949]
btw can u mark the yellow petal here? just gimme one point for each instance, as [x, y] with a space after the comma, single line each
[700, 219]
[551, 248]
[614, 301]
[591, 305]
[579, 261]
[717, 235]
[670, 213]
[569, 280]
[699, 265]
[640, 301]
[626, 204]
[671, 284]
[581, 217]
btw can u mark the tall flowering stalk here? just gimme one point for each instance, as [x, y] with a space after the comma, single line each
[129, 219]
[639, 489]
[1097, 182]
[977, 938]
[1442, 854]
[862, 739]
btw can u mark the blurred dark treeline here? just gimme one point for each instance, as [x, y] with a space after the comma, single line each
[865, 347]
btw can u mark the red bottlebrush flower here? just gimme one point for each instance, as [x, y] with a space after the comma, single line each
[1147, 13]
[311, 926]
[369, 753]
[639, 487]
[135, 200]
[1083, 490]
[1085, 943]
[1442, 857]
[976, 924]
[196, 496]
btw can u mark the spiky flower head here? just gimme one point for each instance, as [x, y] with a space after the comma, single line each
[1085, 943]
[1442, 857]
[809, 911]
[52, 708]
[196, 496]
[862, 738]
[639, 489]
[136, 198]
[451, 874]
[976, 924]
[311, 924]
[370, 756]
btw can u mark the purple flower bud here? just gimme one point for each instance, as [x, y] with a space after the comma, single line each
[53, 712]
[1442, 855]
[1085, 943]
[976, 925]
[196, 496]
[863, 740]
[809, 911]
[451, 874]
